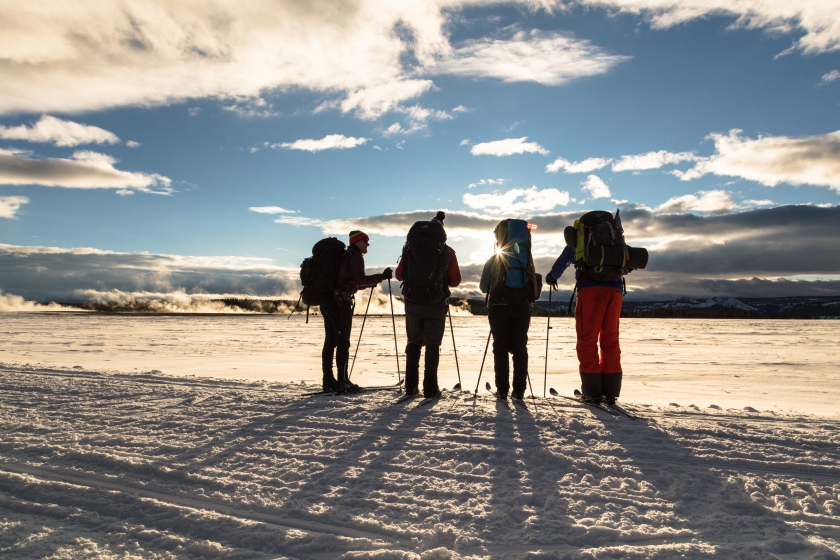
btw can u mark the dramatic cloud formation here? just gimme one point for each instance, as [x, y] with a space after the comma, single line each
[9, 205]
[817, 18]
[84, 170]
[74, 275]
[651, 160]
[584, 166]
[549, 58]
[329, 142]
[596, 187]
[770, 160]
[508, 147]
[60, 133]
[707, 201]
[518, 202]
[271, 210]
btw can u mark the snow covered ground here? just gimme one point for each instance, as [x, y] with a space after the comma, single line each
[101, 458]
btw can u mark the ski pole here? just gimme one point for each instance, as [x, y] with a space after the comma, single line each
[394, 323]
[547, 329]
[486, 346]
[370, 297]
[454, 348]
[295, 309]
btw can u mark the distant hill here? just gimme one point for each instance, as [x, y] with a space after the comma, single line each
[724, 307]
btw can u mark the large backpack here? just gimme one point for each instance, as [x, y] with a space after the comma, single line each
[516, 280]
[600, 251]
[425, 264]
[319, 273]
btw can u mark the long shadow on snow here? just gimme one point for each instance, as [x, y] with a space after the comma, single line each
[714, 509]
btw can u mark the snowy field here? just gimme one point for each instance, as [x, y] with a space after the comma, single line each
[187, 437]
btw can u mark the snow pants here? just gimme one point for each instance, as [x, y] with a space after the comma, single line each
[509, 325]
[597, 317]
[425, 324]
[338, 321]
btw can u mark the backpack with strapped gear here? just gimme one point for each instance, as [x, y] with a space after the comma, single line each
[516, 280]
[425, 264]
[319, 273]
[600, 251]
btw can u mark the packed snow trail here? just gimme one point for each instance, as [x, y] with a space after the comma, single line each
[107, 465]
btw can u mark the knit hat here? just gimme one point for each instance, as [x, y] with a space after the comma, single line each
[358, 235]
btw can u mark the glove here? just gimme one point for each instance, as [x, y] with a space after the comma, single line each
[440, 216]
[388, 273]
[551, 281]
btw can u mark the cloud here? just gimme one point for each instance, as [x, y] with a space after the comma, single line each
[770, 160]
[271, 210]
[830, 77]
[546, 57]
[486, 182]
[507, 147]
[518, 201]
[133, 144]
[651, 160]
[79, 274]
[94, 56]
[707, 201]
[61, 133]
[84, 170]
[418, 118]
[9, 205]
[817, 18]
[584, 166]
[328, 142]
[596, 187]
[10, 303]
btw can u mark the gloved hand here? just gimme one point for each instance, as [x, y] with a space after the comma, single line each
[388, 273]
[440, 216]
[551, 281]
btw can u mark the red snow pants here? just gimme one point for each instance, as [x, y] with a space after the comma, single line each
[596, 316]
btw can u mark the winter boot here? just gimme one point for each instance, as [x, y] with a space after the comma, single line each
[591, 386]
[329, 382]
[430, 380]
[412, 368]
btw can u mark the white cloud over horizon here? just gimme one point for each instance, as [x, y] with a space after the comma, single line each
[271, 210]
[59, 132]
[771, 160]
[507, 147]
[329, 142]
[716, 201]
[585, 166]
[596, 187]
[651, 160]
[546, 57]
[83, 170]
[518, 201]
[9, 205]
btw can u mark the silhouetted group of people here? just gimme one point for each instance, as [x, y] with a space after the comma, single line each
[428, 268]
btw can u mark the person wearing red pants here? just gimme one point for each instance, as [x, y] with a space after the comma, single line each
[596, 320]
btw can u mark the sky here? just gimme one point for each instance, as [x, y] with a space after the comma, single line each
[201, 148]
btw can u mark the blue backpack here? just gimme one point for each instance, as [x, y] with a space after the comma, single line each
[516, 280]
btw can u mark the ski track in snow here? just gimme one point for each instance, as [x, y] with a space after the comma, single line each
[106, 465]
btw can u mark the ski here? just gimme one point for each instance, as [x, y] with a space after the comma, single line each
[359, 390]
[599, 406]
[625, 412]
[429, 400]
[404, 398]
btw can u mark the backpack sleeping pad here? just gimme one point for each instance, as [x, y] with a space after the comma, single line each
[425, 264]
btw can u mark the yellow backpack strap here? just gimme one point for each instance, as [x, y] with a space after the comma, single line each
[580, 245]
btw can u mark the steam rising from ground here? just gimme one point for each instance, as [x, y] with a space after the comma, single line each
[11, 303]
